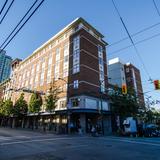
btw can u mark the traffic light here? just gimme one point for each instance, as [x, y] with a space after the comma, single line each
[156, 84]
[124, 89]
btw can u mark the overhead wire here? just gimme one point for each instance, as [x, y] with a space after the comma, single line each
[3, 7]
[9, 7]
[19, 23]
[141, 41]
[23, 24]
[155, 5]
[132, 35]
[136, 50]
[141, 31]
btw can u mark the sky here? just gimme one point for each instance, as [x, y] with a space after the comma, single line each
[53, 15]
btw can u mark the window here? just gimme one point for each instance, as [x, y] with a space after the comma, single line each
[56, 67]
[42, 75]
[76, 68]
[28, 74]
[101, 76]
[76, 59]
[56, 76]
[75, 84]
[26, 85]
[101, 67]
[100, 61]
[49, 68]
[56, 71]
[31, 80]
[102, 86]
[62, 104]
[20, 78]
[66, 49]
[75, 102]
[48, 78]
[65, 72]
[37, 68]
[57, 54]
[43, 65]
[36, 78]
[76, 43]
[76, 54]
[49, 61]
[100, 51]
[127, 70]
[66, 59]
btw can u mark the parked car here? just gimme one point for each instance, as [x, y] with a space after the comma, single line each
[151, 130]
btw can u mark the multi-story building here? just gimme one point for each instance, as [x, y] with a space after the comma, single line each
[133, 80]
[5, 92]
[116, 72]
[75, 60]
[126, 74]
[5, 65]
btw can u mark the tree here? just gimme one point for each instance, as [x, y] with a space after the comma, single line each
[21, 108]
[8, 107]
[7, 111]
[35, 105]
[51, 100]
[124, 105]
[1, 108]
[2, 114]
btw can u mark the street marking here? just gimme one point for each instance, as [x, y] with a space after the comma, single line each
[4, 138]
[132, 141]
[37, 140]
[77, 146]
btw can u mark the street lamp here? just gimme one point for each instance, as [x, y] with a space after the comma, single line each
[67, 105]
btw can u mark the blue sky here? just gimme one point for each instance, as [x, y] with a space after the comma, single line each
[53, 15]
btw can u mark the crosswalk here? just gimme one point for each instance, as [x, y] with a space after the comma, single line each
[6, 138]
[141, 141]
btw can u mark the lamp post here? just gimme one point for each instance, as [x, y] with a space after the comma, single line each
[67, 106]
[101, 103]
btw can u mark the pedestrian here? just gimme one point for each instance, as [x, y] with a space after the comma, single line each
[93, 131]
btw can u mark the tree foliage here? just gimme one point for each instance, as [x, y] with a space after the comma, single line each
[21, 106]
[2, 108]
[124, 105]
[52, 98]
[8, 108]
[35, 103]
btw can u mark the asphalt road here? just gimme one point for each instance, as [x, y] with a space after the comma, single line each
[28, 145]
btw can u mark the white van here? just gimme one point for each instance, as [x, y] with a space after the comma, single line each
[130, 127]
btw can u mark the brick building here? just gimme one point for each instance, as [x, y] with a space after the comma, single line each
[133, 80]
[121, 73]
[75, 59]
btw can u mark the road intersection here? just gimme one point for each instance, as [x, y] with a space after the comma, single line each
[31, 145]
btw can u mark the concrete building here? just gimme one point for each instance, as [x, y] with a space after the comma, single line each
[121, 73]
[5, 65]
[116, 72]
[75, 59]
